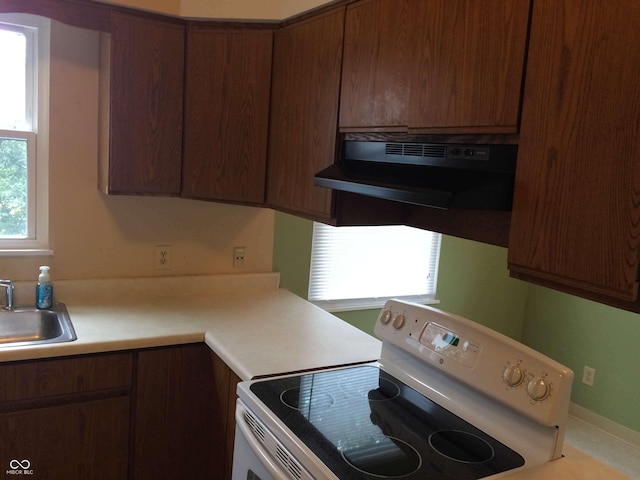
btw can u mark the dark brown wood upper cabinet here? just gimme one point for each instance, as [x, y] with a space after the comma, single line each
[304, 113]
[576, 216]
[228, 79]
[143, 101]
[433, 66]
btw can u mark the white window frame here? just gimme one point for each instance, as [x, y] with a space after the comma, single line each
[37, 136]
[326, 248]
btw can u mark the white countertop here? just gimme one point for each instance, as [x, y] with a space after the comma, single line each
[575, 465]
[255, 327]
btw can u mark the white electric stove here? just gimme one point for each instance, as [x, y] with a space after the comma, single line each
[448, 399]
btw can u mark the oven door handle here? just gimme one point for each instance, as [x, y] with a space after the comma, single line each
[261, 454]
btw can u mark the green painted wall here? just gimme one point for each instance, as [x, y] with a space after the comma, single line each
[473, 282]
[292, 238]
[473, 279]
[579, 332]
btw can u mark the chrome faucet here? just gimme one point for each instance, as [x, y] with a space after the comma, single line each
[8, 284]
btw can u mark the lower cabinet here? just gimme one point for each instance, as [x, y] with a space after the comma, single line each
[66, 419]
[180, 414]
[160, 413]
[76, 441]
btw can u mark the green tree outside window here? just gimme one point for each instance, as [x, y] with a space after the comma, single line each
[13, 187]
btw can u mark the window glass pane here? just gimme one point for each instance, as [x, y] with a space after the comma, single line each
[372, 262]
[13, 188]
[13, 82]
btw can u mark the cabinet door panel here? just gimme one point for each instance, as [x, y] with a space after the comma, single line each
[378, 46]
[228, 78]
[576, 214]
[180, 414]
[145, 126]
[304, 111]
[468, 68]
[433, 66]
[79, 441]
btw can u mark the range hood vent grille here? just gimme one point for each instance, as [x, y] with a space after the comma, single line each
[415, 149]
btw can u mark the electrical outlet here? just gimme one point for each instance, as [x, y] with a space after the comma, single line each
[163, 257]
[238, 257]
[588, 375]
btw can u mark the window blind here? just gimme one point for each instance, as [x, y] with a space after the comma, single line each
[362, 267]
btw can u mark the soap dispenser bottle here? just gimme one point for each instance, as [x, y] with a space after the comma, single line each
[44, 289]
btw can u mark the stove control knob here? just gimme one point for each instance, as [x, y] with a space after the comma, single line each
[538, 389]
[398, 322]
[513, 375]
[385, 317]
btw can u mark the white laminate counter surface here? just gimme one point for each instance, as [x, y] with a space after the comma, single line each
[575, 465]
[255, 327]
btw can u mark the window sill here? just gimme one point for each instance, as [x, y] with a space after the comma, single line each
[348, 305]
[25, 252]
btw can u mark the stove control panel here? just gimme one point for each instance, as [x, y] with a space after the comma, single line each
[476, 356]
[450, 344]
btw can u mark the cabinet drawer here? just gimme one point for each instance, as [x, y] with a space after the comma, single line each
[63, 376]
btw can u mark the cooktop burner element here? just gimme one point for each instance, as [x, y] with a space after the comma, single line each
[378, 427]
[461, 446]
[385, 457]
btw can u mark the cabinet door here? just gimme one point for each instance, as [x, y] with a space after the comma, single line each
[433, 66]
[228, 79]
[576, 213]
[180, 414]
[468, 68]
[145, 106]
[77, 441]
[376, 72]
[304, 113]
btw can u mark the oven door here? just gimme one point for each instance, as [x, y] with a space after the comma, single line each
[252, 458]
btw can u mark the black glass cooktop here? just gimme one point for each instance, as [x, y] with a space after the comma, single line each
[364, 424]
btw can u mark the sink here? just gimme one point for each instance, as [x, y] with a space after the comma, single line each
[29, 326]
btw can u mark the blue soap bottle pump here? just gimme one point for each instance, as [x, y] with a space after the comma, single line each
[44, 289]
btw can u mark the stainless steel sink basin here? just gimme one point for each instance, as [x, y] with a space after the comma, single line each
[30, 326]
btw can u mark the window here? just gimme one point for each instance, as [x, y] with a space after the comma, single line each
[24, 83]
[361, 267]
